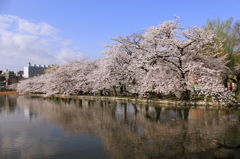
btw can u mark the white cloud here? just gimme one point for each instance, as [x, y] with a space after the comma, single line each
[36, 29]
[65, 54]
[66, 43]
[22, 41]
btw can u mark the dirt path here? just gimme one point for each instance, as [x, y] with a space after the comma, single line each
[8, 92]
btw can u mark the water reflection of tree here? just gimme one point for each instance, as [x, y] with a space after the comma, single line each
[130, 130]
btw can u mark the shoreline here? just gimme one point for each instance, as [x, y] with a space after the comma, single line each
[8, 92]
[201, 104]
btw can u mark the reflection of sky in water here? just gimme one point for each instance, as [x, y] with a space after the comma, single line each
[21, 137]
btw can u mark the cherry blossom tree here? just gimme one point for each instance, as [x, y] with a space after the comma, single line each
[162, 59]
[172, 57]
[117, 66]
[71, 78]
[100, 78]
[38, 84]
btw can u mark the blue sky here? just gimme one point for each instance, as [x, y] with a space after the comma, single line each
[51, 31]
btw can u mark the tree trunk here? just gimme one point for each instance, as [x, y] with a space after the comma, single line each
[101, 92]
[124, 90]
[225, 81]
[185, 95]
[121, 90]
[114, 90]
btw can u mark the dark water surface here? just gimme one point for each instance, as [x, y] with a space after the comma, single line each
[42, 128]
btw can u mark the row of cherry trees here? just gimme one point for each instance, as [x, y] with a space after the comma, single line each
[163, 59]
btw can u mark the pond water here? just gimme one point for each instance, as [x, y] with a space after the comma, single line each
[70, 128]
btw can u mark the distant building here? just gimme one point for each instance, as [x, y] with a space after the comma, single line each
[33, 70]
[8, 76]
[2, 80]
[12, 77]
[19, 73]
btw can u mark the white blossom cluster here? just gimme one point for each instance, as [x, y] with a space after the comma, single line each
[163, 59]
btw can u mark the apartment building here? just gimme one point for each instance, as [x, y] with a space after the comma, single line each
[33, 70]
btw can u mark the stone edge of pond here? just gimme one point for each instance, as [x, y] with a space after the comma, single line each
[166, 103]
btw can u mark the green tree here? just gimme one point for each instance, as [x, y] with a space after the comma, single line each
[236, 57]
[236, 33]
[229, 33]
[51, 67]
[224, 31]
